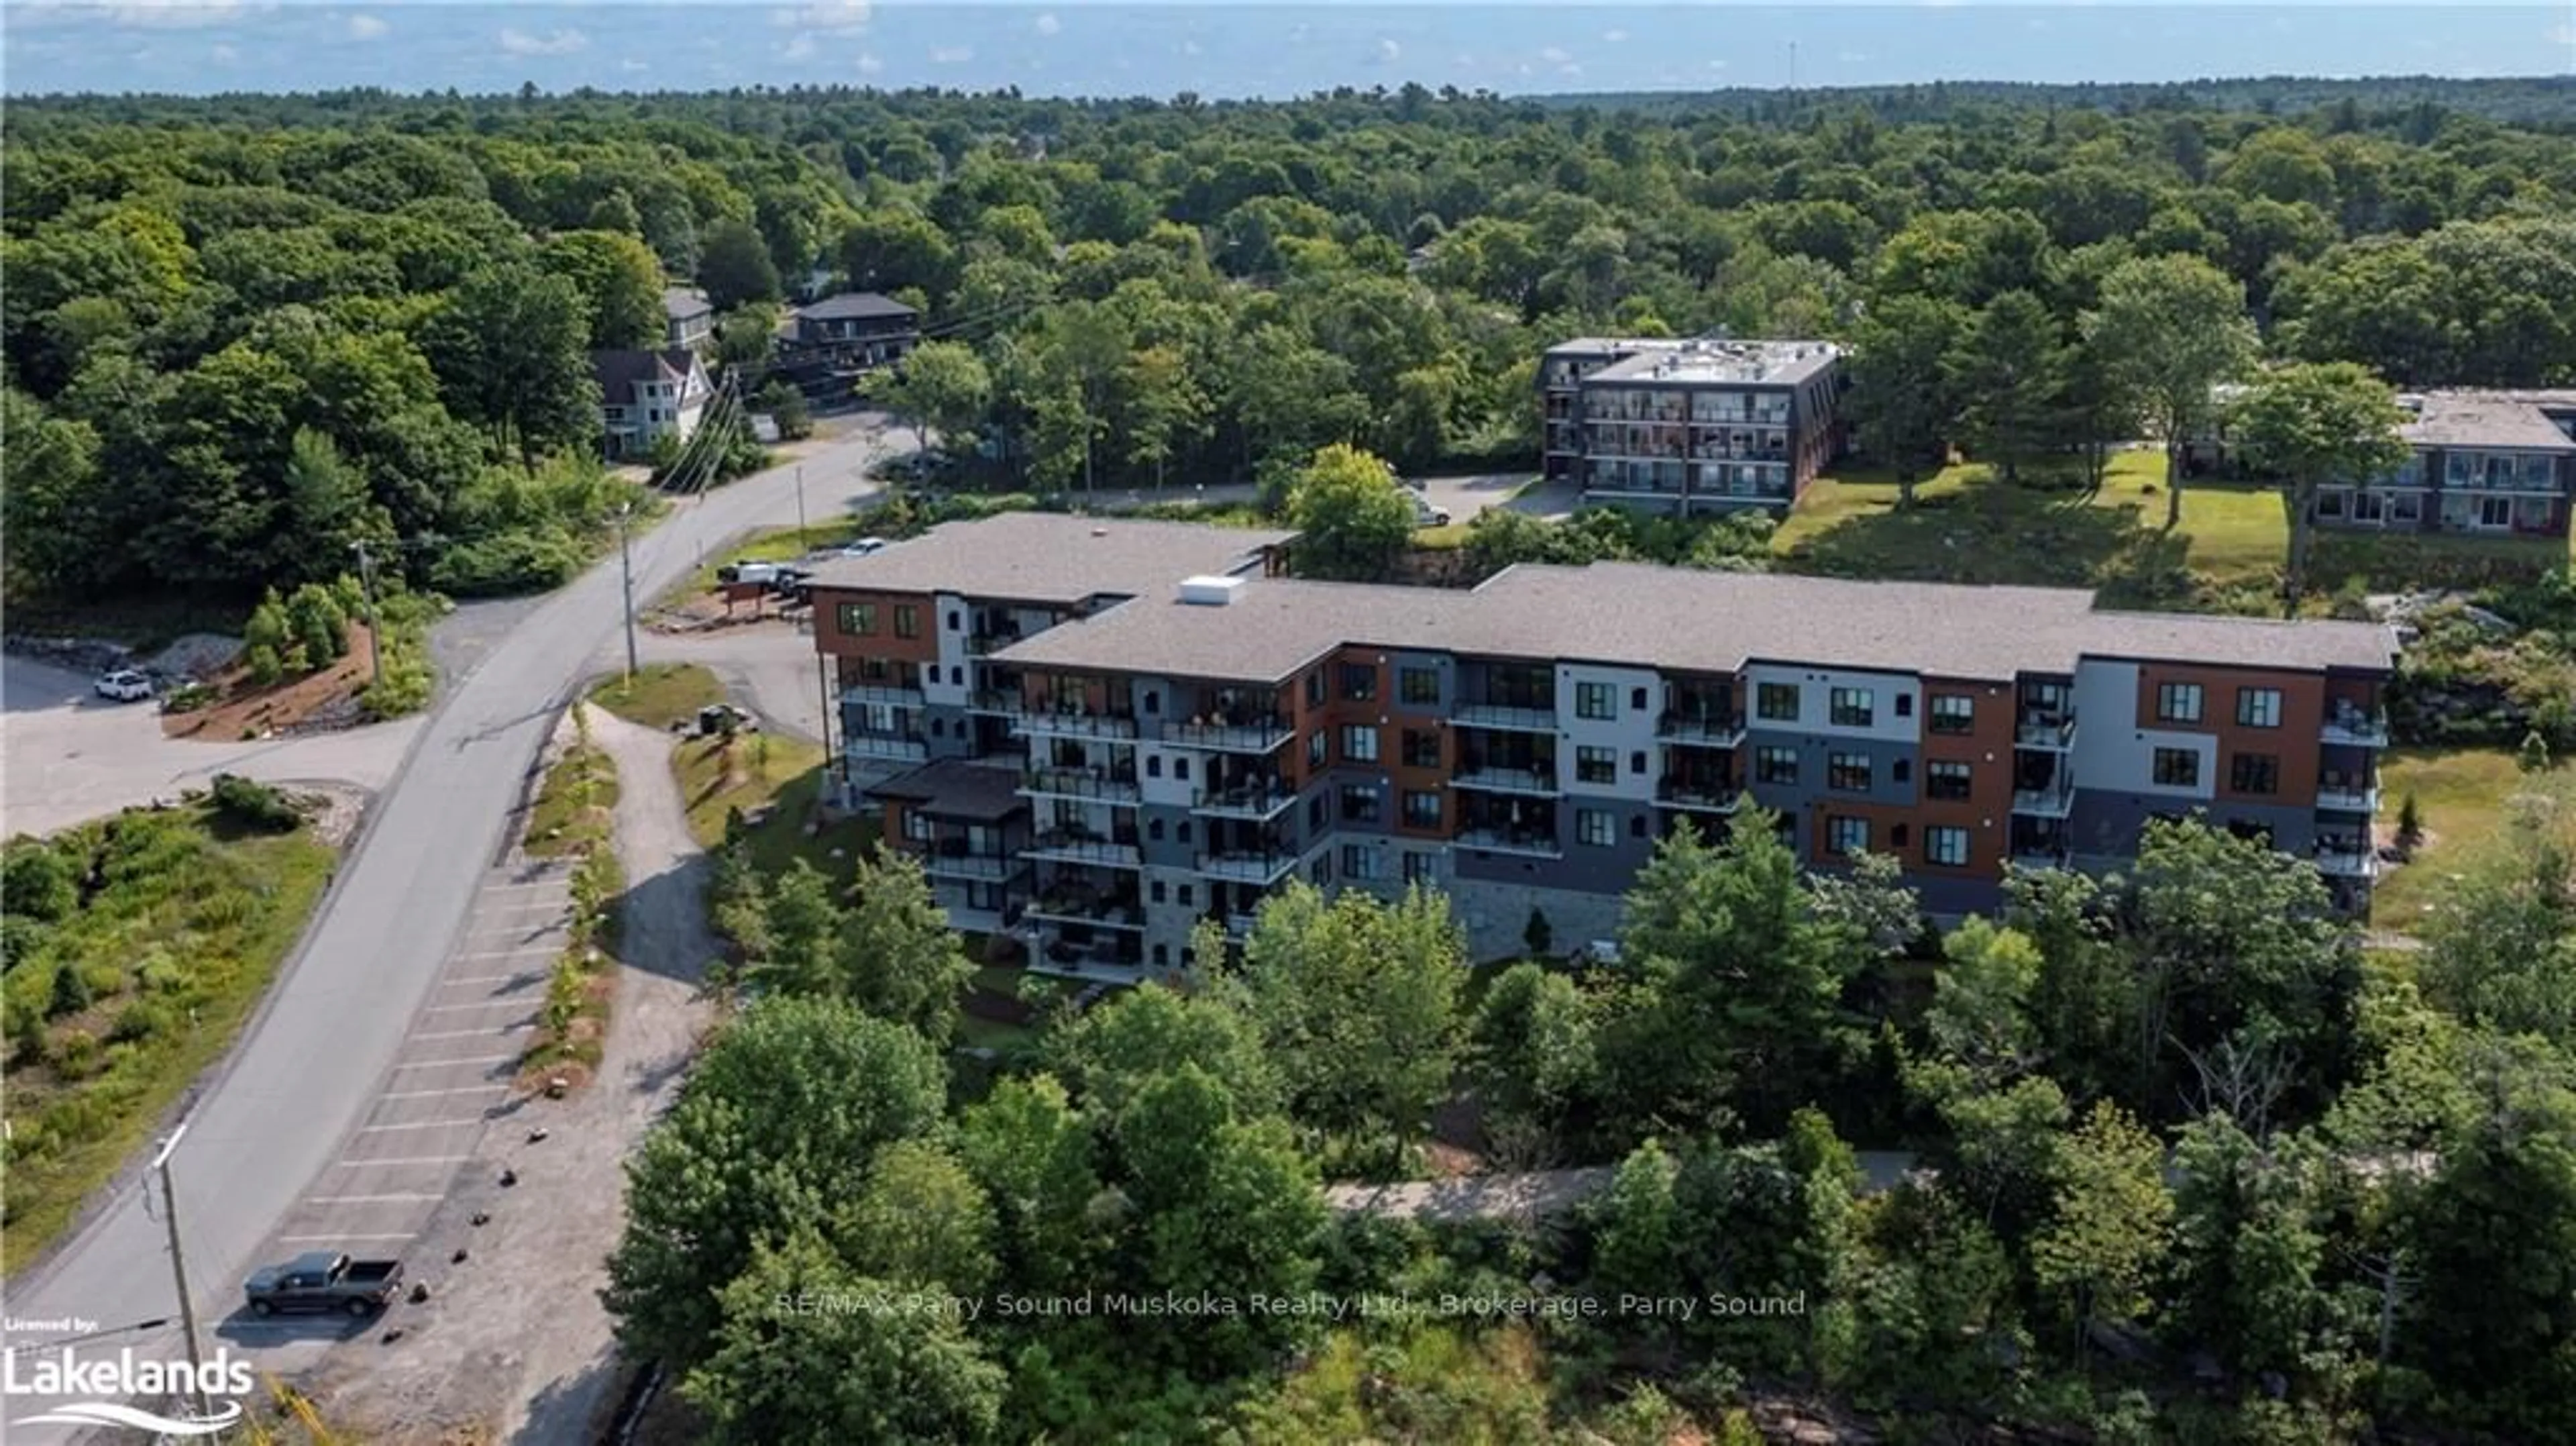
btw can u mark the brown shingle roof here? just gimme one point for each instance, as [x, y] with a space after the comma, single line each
[957, 789]
[1050, 557]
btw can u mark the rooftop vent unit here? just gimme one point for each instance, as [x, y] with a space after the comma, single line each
[1210, 592]
[2412, 402]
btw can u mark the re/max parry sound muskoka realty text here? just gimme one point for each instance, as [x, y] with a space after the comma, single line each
[1312, 1304]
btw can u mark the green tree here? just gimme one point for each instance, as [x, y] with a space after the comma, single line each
[1032, 1152]
[890, 249]
[903, 962]
[328, 512]
[2311, 423]
[2172, 329]
[2106, 1235]
[2008, 374]
[1903, 400]
[620, 282]
[1531, 1050]
[1167, 412]
[777, 1122]
[1109, 1052]
[923, 1220]
[2500, 944]
[51, 501]
[511, 350]
[2249, 1247]
[1351, 515]
[2533, 756]
[940, 386]
[734, 265]
[1358, 1001]
[793, 1359]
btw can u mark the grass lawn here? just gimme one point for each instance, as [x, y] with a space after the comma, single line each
[993, 1034]
[1967, 526]
[2461, 796]
[172, 950]
[786, 776]
[659, 695]
[1441, 539]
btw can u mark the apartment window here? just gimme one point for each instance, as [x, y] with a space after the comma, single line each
[1359, 683]
[1847, 772]
[1315, 688]
[2178, 702]
[1777, 702]
[1904, 705]
[1181, 833]
[1319, 812]
[1637, 762]
[916, 826]
[1775, 765]
[1359, 805]
[1154, 830]
[1417, 685]
[1422, 809]
[2256, 773]
[1181, 769]
[1315, 746]
[1595, 700]
[1421, 748]
[1945, 845]
[1359, 745]
[1361, 861]
[907, 620]
[1953, 713]
[954, 620]
[1637, 700]
[1596, 765]
[2258, 707]
[1153, 765]
[1596, 827]
[2177, 768]
[1417, 868]
[1188, 895]
[1943, 778]
[1153, 702]
[1159, 891]
[1851, 707]
[1898, 834]
[1846, 836]
[859, 619]
[1901, 771]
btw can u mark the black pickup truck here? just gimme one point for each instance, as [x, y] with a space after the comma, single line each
[324, 1280]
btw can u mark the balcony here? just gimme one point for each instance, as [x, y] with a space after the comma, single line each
[2352, 728]
[1259, 802]
[1064, 909]
[1496, 715]
[1095, 784]
[881, 693]
[1060, 846]
[1535, 781]
[1705, 795]
[1535, 843]
[2040, 856]
[941, 862]
[1262, 869]
[1036, 717]
[1701, 729]
[2049, 735]
[987, 701]
[980, 644]
[886, 745]
[1246, 734]
[2341, 798]
[2346, 862]
[2056, 800]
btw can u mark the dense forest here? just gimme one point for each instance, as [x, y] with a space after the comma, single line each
[243, 332]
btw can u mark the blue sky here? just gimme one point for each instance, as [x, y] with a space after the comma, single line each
[1224, 48]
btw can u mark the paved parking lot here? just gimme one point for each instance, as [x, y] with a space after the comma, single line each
[447, 1085]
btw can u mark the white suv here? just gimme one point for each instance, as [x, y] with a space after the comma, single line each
[125, 686]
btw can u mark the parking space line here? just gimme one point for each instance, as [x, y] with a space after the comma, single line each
[423, 1125]
[327, 1239]
[414, 1197]
[410, 1160]
[511, 1027]
[487, 1087]
[438, 1063]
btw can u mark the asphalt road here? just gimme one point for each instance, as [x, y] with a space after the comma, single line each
[271, 1120]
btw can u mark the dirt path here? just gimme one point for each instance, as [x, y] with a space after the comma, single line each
[563, 1386]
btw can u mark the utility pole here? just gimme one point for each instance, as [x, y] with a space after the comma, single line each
[823, 683]
[800, 504]
[626, 572]
[179, 1269]
[375, 630]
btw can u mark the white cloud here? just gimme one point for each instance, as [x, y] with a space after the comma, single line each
[226, 55]
[1189, 47]
[159, 14]
[632, 66]
[1569, 70]
[1614, 36]
[1555, 55]
[367, 27]
[1717, 65]
[560, 42]
[1388, 50]
[952, 55]
[870, 65]
[800, 48]
[833, 15]
[1047, 24]
[2564, 35]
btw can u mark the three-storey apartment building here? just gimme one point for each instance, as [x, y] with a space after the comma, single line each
[1690, 426]
[1524, 744]
[2485, 463]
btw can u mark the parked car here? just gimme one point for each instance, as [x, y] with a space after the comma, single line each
[125, 685]
[1599, 951]
[1427, 515]
[323, 1280]
[761, 573]
[864, 547]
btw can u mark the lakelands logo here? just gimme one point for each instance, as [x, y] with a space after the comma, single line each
[56, 1375]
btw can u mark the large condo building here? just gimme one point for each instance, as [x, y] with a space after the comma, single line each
[1690, 426]
[2492, 463]
[1112, 731]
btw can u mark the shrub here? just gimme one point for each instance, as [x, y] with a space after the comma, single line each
[2533, 756]
[77, 1054]
[144, 1019]
[268, 627]
[255, 805]
[71, 991]
[2410, 822]
[318, 623]
[786, 406]
[36, 882]
[189, 697]
[266, 668]
[405, 688]
[1538, 935]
